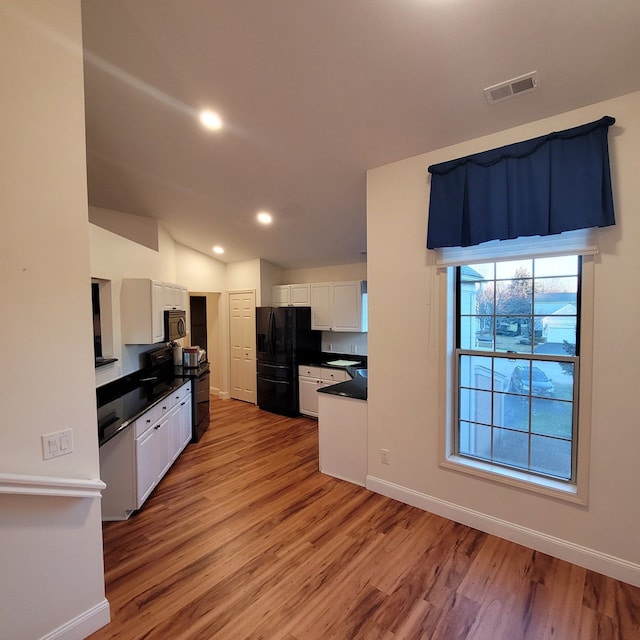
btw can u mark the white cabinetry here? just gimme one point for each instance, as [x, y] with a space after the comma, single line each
[175, 296]
[181, 417]
[146, 475]
[134, 461]
[322, 306]
[291, 295]
[142, 306]
[310, 379]
[339, 306]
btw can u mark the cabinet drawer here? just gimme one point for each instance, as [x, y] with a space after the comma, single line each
[335, 375]
[309, 372]
[321, 373]
[147, 420]
[178, 395]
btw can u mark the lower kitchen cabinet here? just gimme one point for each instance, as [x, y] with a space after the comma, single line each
[146, 476]
[310, 379]
[134, 461]
[182, 426]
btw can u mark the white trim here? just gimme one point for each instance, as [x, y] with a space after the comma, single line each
[514, 478]
[576, 492]
[579, 242]
[24, 484]
[82, 625]
[591, 559]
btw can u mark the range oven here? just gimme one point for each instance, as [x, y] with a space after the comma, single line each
[162, 360]
[200, 396]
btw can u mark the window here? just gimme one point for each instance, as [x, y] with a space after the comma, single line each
[97, 326]
[516, 367]
[102, 324]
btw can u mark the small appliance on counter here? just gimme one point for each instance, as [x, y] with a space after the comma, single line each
[177, 352]
[190, 357]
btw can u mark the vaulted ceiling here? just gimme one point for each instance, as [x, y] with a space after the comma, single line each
[313, 93]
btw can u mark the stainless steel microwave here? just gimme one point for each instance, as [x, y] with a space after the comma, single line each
[175, 325]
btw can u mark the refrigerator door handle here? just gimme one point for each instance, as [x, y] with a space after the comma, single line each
[274, 380]
[272, 333]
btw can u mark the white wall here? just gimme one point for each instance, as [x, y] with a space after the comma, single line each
[50, 547]
[242, 276]
[337, 273]
[172, 262]
[199, 272]
[114, 258]
[270, 274]
[407, 317]
[137, 228]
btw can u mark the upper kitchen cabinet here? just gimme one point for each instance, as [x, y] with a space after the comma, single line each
[142, 305]
[291, 295]
[175, 296]
[339, 306]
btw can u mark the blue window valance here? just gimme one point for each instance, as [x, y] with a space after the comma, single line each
[547, 185]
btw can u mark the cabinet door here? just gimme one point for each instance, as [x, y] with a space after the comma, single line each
[347, 306]
[142, 311]
[300, 295]
[183, 303]
[181, 425]
[146, 475]
[322, 306]
[157, 311]
[308, 395]
[176, 432]
[281, 295]
[163, 445]
[184, 430]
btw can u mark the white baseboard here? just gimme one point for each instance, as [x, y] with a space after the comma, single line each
[604, 563]
[83, 625]
[223, 395]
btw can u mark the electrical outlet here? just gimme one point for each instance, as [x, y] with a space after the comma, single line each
[354, 348]
[57, 444]
[330, 347]
[385, 456]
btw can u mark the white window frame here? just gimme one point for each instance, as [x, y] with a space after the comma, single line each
[576, 491]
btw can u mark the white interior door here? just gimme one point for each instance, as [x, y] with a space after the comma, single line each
[242, 342]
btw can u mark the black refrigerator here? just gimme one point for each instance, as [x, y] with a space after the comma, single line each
[283, 340]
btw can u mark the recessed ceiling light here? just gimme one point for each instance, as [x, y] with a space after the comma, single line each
[210, 120]
[218, 249]
[264, 217]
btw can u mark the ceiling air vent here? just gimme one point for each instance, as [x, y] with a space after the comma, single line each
[511, 88]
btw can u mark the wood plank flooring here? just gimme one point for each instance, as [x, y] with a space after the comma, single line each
[245, 538]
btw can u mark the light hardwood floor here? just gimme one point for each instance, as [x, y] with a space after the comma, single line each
[245, 538]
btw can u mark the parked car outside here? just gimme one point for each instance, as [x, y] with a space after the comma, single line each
[541, 384]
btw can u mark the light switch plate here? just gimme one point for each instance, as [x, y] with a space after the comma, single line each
[57, 444]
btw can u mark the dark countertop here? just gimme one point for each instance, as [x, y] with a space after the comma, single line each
[323, 358]
[116, 414]
[356, 388]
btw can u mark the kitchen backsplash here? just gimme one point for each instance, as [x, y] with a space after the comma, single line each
[346, 343]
